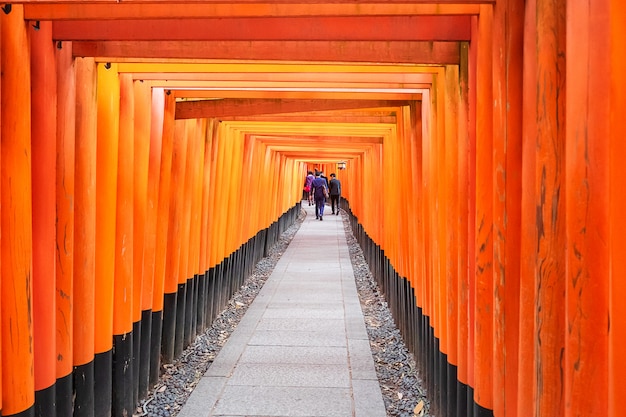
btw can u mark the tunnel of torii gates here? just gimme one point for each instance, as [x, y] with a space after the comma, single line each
[152, 153]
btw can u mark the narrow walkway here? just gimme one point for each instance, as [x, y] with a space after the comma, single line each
[301, 349]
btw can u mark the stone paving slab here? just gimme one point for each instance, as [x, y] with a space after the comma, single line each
[297, 355]
[301, 349]
[285, 401]
[302, 325]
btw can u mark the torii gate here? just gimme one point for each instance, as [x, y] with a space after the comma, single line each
[491, 128]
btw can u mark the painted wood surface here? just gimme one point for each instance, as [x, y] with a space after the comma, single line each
[490, 130]
[18, 373]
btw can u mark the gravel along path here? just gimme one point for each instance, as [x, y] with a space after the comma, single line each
[400, 384]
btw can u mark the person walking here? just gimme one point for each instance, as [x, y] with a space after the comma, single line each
[307, 187]
[335, 192]
[320, 193]
[322, 176]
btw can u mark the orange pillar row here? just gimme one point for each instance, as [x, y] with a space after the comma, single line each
[16, 287]
[43, 134]
[65, 205]
[83, 293]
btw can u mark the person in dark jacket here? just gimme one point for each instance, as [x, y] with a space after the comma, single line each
[320, 190]
[335, 192]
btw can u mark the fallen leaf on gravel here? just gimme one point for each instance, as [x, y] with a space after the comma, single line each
[418, 408]
[400, 395]
[162, 389]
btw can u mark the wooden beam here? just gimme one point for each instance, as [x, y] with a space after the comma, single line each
[249, 107]
[273, 69]
[256, 2]
[332, 138]
[307, 118]
[315, 152]
[296, 77]
[267, 94]
[85, 10]
[282, 85]
[436, 53]
[305, 28]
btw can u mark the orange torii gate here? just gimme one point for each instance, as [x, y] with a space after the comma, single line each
[489, 130]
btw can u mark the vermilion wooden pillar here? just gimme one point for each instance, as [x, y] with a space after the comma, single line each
[441, 281]
[161, 255]
[205, 300]
[547, 144]
[183, 326]
[507, 153]
[427, 207]
[198, 267]
[1, 337]
[451, 194]
[471, 209]
[65, 205]
[141, 156]
[123, 280]
[108, 96]
[44, 129]
[463, 226]
[144, 229]
[234, 205]
[213, 202]
[483, 319]
[528, 244]
[212, 225]
[174, 236]
[16, 218]
[617, 146]
[148, 285]
[585, 365]
[85, 237]
[221, 195]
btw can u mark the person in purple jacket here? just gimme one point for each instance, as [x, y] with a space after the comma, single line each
[319, 186]
[307, 187]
